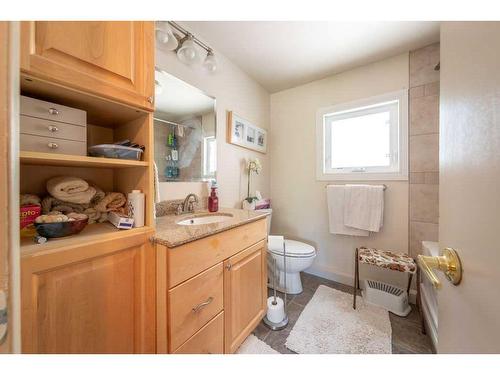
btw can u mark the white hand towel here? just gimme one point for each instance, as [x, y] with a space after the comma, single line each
[364, 207]
[335, 198]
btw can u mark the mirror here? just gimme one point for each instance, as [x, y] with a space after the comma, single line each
[184, 131]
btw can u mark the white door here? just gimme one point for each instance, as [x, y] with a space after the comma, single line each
[469, 313]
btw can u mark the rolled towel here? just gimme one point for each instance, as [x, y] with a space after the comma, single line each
[52, 204]
[71, 189]
[99, 194]
[111, 202]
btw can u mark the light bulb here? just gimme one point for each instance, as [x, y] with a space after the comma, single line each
[210, 63]
[187, 53]
[165, 35]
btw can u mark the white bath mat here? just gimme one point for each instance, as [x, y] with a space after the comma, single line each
[329, 325]
[253, 345]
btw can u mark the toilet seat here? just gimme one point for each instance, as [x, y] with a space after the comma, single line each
[296, 249]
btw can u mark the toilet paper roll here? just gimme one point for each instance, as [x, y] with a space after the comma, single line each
[275, 243]
[275, 313]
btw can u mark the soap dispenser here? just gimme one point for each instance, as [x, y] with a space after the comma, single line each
[213, 199]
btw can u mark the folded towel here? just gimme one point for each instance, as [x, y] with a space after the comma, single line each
[335, 198]
[71, 189]
[111, 202]
[53, 204]
[364, 207]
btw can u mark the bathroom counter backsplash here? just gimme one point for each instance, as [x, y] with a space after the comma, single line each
[171, 234]
[165, 208]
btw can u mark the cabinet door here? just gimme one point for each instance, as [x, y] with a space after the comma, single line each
[92, 299]
[245, 294]
[114, 59]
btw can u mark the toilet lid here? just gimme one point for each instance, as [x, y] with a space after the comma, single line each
[296, 249]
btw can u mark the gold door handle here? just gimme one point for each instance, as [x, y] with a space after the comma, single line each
[448, 262]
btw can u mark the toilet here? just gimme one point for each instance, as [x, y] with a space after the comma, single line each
[299, 257]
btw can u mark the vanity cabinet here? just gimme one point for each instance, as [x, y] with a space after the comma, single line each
[212, 292]
[245, 294]
[94, 298]
[112, 59]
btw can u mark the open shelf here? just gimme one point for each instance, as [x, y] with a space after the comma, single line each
[91, 233]
[42, 158]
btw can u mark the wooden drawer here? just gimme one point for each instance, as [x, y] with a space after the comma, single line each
[53, 129]
[51, 111]
[61, 146]
[192, 258]
[208, 340]
[193, 304]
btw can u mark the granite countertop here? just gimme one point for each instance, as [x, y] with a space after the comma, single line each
[171, 234]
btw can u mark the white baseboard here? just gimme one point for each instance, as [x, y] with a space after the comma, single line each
[328, 273]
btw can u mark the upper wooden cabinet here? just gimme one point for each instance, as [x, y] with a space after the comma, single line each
[114, 60]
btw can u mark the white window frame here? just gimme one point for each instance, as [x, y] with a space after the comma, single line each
[206, 174]
[399, 141]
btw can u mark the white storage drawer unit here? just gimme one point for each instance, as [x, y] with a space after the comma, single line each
[52, 128]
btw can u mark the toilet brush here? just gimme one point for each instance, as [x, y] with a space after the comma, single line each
[276, 317]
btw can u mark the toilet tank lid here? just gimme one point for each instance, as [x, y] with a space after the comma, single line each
[296, 248]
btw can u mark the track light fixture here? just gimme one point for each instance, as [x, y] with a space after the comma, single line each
[175, 38]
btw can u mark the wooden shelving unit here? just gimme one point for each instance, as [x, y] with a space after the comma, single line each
[41, 158]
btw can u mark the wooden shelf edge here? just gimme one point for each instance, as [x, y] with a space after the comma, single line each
[42, 158]
[93, 233]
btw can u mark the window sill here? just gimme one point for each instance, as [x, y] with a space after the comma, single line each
[363, 177]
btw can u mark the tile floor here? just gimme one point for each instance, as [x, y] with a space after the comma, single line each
[406, 334]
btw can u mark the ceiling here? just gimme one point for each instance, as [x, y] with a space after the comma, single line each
[283, 54]
[187, 100]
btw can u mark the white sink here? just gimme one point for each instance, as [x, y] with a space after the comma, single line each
[208, 219]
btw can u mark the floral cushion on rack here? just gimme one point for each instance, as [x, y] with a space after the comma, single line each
[387, 259]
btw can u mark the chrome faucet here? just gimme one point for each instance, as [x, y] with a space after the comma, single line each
[188, 205]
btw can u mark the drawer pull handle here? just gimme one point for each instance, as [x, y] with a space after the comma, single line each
[53, 128]
[52, 145]
[53, 111]
[203, 304]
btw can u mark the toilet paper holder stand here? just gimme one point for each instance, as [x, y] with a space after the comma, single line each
[283, 323]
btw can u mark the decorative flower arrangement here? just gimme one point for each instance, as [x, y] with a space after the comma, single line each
[252, 166]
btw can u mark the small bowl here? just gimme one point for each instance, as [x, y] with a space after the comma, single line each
[61, 229]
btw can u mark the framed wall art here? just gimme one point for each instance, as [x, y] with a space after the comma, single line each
[243, 133]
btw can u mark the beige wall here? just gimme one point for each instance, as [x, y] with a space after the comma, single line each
[234, 91]
[424, 147]
[299, 201]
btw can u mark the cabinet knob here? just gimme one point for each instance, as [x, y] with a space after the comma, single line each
[53, 128]
[53, 111]
[52, 145]
[150, 99]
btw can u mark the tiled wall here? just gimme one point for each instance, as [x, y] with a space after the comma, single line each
[424, 147]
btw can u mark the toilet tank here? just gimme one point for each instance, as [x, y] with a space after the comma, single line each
[270, 211]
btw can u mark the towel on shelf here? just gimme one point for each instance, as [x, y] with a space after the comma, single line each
[111, 202]
[335, 199]
[364, 207]
[53, 204]
[71, 189]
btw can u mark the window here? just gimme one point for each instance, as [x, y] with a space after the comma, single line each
[364, 140]
[209, 157]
